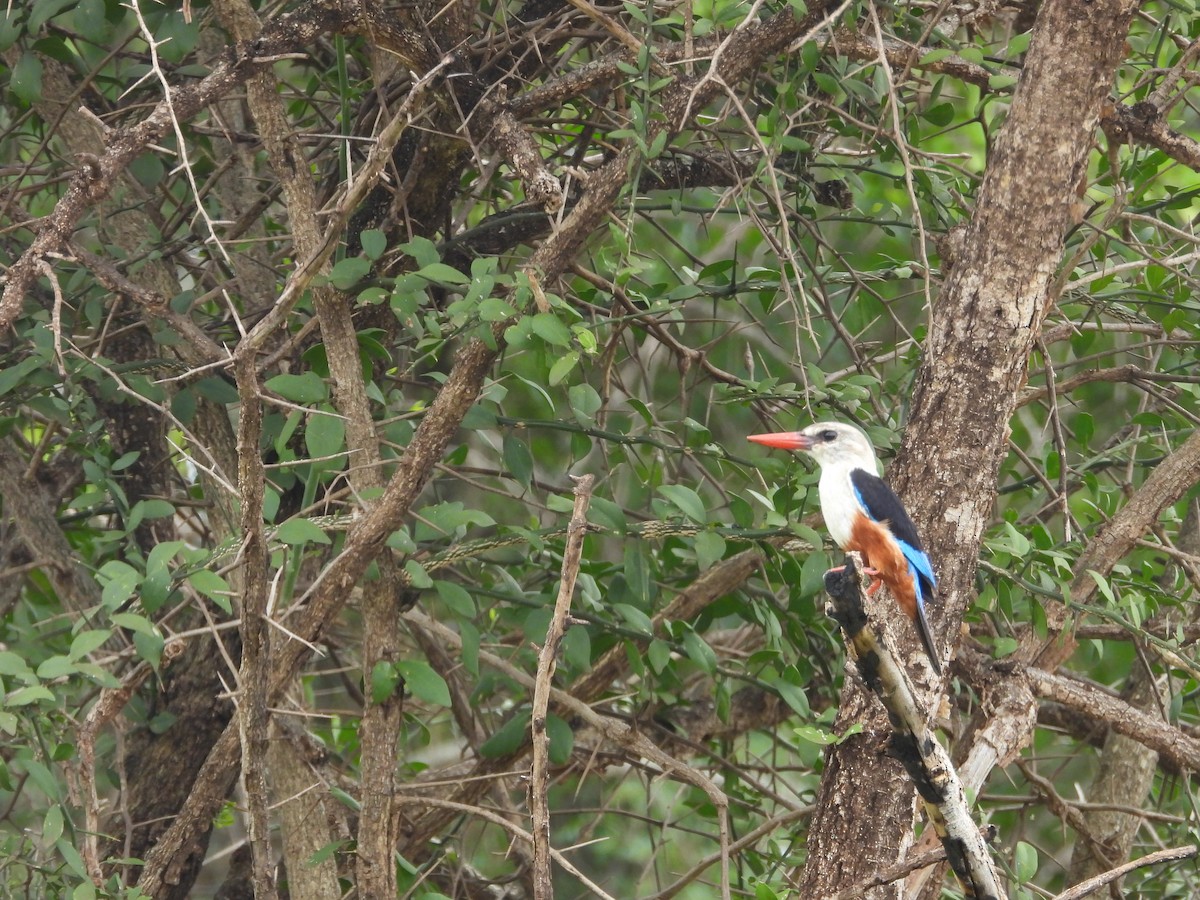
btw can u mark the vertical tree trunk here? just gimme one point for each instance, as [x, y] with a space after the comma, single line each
[984, 327]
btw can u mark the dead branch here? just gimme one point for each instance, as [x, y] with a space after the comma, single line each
[539, 787]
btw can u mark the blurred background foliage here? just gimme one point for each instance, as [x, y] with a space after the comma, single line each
[788, 281]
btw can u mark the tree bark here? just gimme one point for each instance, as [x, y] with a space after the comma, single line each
[984, 327]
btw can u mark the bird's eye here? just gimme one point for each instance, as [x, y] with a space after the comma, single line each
[828, 435]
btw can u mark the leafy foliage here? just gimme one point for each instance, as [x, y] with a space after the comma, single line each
[772, 260]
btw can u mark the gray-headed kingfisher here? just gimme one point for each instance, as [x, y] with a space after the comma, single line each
[863, 514]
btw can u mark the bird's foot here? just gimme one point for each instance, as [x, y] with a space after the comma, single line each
[873, 574]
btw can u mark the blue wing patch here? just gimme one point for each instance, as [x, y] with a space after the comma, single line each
[880, 502]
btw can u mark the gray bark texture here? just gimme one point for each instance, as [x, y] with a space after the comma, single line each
[985, 325]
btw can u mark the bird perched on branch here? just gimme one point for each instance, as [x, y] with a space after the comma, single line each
[863, 514]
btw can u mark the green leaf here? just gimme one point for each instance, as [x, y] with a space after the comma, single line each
[551, 330]
[562, 740]
[457, 598]
[1014, 541]
[55, 667]
[217, 389]
[52, 825]
[815, 735]
[447, 518]
[700, 653]
[417, 575]
[212, 586]
[790, 686]
[812, 574]
[18, 374]
[634, 618]
[440, 273]
[401, 540]
[478, 418]
[423, 682]
[577, 648]
[685, 500]
[510, 738]
[1018, 44]
[585, 402]
[120, 581]
[1025, 861]
[10, 28]
[1003, 646]
[325, 435]
[637, 572]
[13, 664]
[125, 460]
[34, 693]
[940, 114]
[494, 310]
[306, 388]
[935, 56]
[97, 674]
[25, 81]
[518, 460]
[161, 555]
[562, 367]
[608, 514]
[470, 647]
[71, 857]
[149, 648]
[135, 623]
[41, 775]
[658, 654]
[87, 641]
[373, 242]
[710, 548]
[423, 251]
[327, 852]
[540, 391]
[43, 11]
[346, 273]
[155, 509]
[90, 19]
[1102, 585]
[301, 531]
[384, 679]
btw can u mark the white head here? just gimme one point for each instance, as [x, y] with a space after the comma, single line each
[831, 444]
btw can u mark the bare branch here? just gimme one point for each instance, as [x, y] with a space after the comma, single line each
[539, 788]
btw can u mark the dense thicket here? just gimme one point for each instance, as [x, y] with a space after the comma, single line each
[313, 313]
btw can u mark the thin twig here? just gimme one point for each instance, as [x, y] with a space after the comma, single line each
[539, 806]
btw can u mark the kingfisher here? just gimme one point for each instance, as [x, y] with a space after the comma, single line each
[863, 514]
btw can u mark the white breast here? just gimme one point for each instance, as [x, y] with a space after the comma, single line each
[839, 503]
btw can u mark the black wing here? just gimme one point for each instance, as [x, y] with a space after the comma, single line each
[882, 505]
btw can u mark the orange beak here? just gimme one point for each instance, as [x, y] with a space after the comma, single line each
[783, 440]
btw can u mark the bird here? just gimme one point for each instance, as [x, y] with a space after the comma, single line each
[864, 514]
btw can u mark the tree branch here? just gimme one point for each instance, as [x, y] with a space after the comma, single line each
[539, 788]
